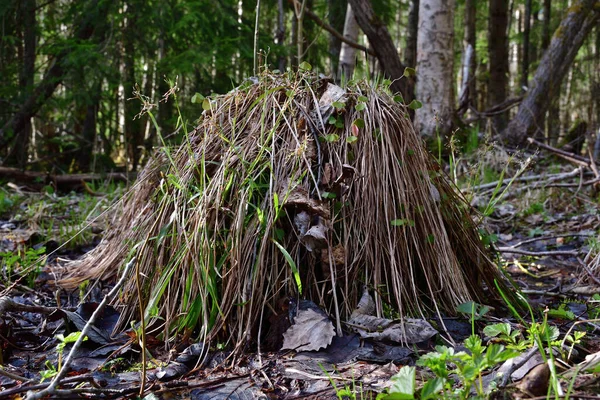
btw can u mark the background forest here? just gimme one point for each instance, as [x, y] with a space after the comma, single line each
[70, 68]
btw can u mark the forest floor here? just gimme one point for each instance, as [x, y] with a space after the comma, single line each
[545, 227]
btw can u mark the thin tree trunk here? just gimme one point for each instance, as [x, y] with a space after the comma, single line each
[434, 65]
[299, 8]
[20, 151]
[526, 47]
[133, 134]
[410, 54]
[94, 15]
[280, 36]
[546, 24]
[498, 58]
[348, 53]
[337, 12]
[383, 45]
[468, 92]
[294, 42]
[88, 132]
[565, 44]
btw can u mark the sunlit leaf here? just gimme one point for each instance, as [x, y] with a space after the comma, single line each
[415, 105]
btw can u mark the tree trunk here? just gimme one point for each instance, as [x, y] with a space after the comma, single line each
[498, 58]
[134, 137]
[546, 24]
[337, 12]
[280, 35]
[348, 53]
[568, 38]
[88, 132]
[526, 37]
[94, 15]
[383, 45]
[468, 91]
[434, 67]
[20, 151]
[410, 54]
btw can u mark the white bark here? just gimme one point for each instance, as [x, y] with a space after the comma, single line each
[434, 67]
[348, 53]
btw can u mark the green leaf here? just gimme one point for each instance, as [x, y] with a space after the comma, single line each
[359, 122]
[197, 98]
[398, 99]
[206, 104]
[332, 137]
[364, 99]
[338, 105]
[351, 139]
[430, 239]
[328, 195]
[398, 222]
[408, 71]
[497, 329]
[431, 388]
[292, 264]
[470, 308]
[332, 120]
[339, 124]
[305, 66]
[415, 105]
[386, 82]
[403, 384]
[360, 106]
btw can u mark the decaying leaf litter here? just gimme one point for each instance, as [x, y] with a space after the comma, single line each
[252, 210]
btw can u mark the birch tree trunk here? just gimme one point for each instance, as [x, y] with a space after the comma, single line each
[582, 16]
[434, 67]
[348, 53]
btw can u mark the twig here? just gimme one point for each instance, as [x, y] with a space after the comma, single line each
[537, 253]
[51, 389]
[589, 272]
[20, 389]
[12, 376]
[7, 304]
[537, 239]
[574, 158]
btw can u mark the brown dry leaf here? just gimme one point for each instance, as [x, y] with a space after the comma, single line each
[315, 237]
[407, 330]
[311, 331]
[298, 197]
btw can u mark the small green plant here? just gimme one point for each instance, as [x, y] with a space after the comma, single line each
[449, 367]
[27, 262]
[51, 370]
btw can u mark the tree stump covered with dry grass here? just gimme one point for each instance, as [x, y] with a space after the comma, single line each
[291, 187]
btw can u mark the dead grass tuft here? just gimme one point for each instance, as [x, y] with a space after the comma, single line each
[221, 226]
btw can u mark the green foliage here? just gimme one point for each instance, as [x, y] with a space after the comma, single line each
[27, 262]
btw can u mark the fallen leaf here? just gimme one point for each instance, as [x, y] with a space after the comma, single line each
[311, 331]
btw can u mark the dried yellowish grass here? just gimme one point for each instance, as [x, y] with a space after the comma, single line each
[212, 222]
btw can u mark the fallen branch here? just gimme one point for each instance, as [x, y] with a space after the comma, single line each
[7, 305]
[538, 253]
[61, 181]
[12, 376]
[537, 239]
[574, 158]
[52, 388]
